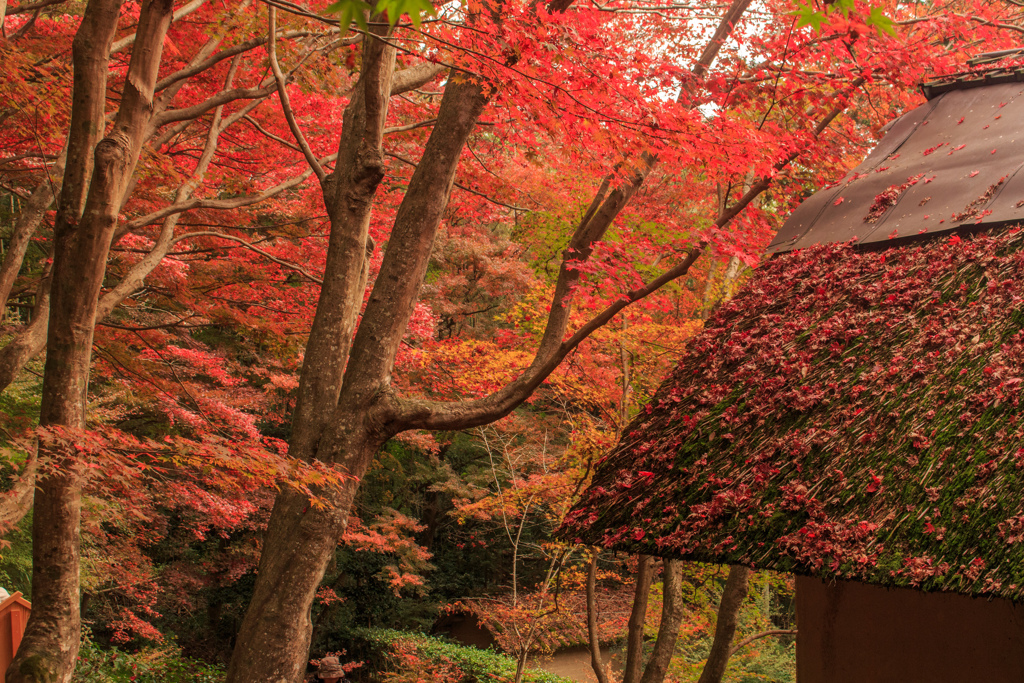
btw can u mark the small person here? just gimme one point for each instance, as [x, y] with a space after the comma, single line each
[329, 670]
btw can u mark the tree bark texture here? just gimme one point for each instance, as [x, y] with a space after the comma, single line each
[725, 628]
[95, 178]
[672, 611]
[593, 635]
[637, 617]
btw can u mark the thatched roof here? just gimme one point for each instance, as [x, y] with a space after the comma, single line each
[849, 414]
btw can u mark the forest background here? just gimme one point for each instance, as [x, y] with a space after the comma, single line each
[390, 287]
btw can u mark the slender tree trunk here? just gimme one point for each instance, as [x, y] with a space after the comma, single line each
[637, 617]
[672, 611]
[30, 341]
[725, 628]
[85, 223]
[29, 218]
[592, 631]
[51, 640]
[717, 291]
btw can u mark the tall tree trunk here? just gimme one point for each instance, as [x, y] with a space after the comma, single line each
[96, 176]
[273, 643]
[637, 617]
[346, 410]
[672, 611]
[725, 628]
[592, 632]
[51, 640]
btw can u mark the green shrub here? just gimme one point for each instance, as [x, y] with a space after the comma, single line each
[413, 657]
[150, 665]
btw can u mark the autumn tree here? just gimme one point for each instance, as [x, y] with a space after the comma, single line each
[347, 407]
[93, 178]
[581, 84]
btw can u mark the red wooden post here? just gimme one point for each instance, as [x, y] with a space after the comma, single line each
[14, 613]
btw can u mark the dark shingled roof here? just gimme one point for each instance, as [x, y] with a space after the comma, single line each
[953, 162]
[851, 414]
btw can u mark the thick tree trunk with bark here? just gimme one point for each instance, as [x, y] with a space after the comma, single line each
[725, 628]
[672, 612]
[637, 617]
[96, 177]
[273, 644]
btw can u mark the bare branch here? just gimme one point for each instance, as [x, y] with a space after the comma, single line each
[415, 77]
[276, 138]
[178, 14]
[17, 501]
[221, 98]
[238, 240]
[31, 7]
[227, 53]
[763, 634]
[458, 185]
[409, 126]
[233, 203]
[286, 107]
[979, 20]
[31, 216]
[417, 414]
[292, 8]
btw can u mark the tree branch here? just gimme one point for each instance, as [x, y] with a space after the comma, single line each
[238, 240]
[415, 77]
[183, 11]
[32, 7]
[221, 98]
[439, 415]
[465, 188]
[233, 203]
[763, 634]
[286, 107]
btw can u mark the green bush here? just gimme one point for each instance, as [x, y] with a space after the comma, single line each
[150, 665]
[411, 655]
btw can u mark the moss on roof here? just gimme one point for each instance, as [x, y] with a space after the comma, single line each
[849, 414]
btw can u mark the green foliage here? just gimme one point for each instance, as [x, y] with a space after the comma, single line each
[809, 15]
[461, 664]
[16, 558]
[356, 10]
[163, 665]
